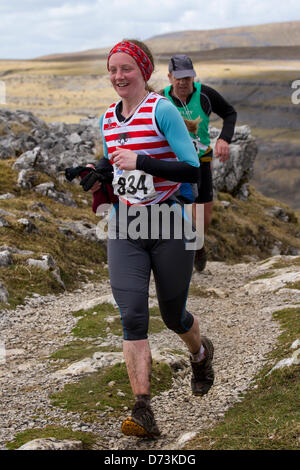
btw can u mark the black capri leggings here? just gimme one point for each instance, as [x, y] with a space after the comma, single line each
[130, 264]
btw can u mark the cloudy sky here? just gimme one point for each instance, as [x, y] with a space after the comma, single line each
[31, 28]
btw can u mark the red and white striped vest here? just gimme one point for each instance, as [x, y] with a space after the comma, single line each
[141, 135]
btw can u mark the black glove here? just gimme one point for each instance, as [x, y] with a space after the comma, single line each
[90, 179]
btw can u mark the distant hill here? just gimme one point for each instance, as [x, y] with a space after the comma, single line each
[265, 35]
[275, 39]
[235, 53]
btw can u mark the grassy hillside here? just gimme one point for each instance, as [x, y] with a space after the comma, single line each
[240, 231]
[247, 230]
[78, 259]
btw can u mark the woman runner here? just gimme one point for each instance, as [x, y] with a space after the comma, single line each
[146, 141]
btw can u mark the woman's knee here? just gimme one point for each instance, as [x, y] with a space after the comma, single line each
[135, 324]
[179, 322]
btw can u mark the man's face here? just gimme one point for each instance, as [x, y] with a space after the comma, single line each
[182, 87]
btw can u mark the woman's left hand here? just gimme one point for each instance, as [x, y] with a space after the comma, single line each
[124, 159]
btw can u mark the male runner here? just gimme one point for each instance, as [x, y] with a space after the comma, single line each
[195, 102]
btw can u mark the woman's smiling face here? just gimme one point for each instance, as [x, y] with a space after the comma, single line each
[125, 75]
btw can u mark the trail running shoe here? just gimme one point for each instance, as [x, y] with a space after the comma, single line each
[200, 260]
[203, 373]
[141, 423]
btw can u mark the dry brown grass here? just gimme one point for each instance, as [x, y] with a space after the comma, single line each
[69, 91]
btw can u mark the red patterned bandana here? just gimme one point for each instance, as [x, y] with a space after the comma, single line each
[137, 53]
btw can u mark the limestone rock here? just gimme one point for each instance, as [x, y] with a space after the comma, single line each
[51, 443]
[4, 212]
[29, 160]
[295, 344]
[295, 359]
[48, 189]
[279, 213]
[272, 284]
[96, 301]
[47, 147]
[232, 176]
[47, 263]
[74, 138]
[28, 225]
[5, 258]
[26, 179]
[184, 438]
[4, 222]
[3, 293]
[268, 264]
[7, 196]
[82, 229]
[13, 249]
[91, 364]
[51, 148]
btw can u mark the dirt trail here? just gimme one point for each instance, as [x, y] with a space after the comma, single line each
[236, 314]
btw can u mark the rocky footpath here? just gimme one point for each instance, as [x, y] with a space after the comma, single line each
[236, 311]
[236, 314]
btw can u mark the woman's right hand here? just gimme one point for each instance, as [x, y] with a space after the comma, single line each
[95, 186]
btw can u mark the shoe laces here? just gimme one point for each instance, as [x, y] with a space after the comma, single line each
[202, 370]
[143, 412]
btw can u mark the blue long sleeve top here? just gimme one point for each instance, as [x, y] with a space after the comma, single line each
[172, 126]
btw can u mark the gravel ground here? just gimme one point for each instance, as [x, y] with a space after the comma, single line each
[236, 315]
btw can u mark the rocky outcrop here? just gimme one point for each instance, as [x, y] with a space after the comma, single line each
[48, 148]
[5, 258]
[47, 263]
[51, 148]
[233, 176]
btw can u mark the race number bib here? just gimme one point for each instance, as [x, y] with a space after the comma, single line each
[134, 185]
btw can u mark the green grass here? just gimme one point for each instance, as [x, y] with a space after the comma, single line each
[267, 275]
[293, 285]
[93, 322]
[286, 263]
[93, 395]
[268, 417]
[77, 350]
[74, 257]
[88, 439]
[78, 259]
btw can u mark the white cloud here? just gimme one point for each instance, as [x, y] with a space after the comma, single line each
[68, 10]
[38, 27]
